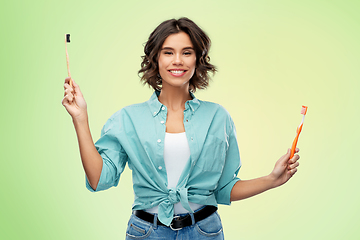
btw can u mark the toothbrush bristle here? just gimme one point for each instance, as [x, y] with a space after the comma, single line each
[67, 37]
[304, 110]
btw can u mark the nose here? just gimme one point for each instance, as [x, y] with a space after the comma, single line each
[178, 59]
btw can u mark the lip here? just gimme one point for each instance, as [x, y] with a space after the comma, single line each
[177, 74]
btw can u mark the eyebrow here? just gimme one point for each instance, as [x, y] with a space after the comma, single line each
[170, 48]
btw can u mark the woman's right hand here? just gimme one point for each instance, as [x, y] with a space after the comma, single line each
[74, 101]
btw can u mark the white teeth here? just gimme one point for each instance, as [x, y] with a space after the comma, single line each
[177, 71]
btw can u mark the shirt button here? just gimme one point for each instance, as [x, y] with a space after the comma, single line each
[160, 167]
[163, 108]
[192, 139]
[162, 122]
[187, 120]
[159, 140]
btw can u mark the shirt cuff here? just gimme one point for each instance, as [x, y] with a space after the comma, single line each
[88, 185]
[101, 184]
[223, 195]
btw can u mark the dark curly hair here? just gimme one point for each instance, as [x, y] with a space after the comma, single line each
[201, 42]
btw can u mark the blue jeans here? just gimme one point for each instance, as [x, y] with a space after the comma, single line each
[206, 229]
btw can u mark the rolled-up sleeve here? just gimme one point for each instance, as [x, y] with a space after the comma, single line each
[230, 170]
[113, 155]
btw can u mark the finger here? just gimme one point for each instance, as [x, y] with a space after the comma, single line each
[69, 92]
[66, 101]
[294, 159]
[69, 99]
[69, 96]
[297, 150]
[292, 172]
[67, 80]
[67, 86]
[292, 166]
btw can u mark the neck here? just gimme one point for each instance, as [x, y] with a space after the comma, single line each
[174, 98]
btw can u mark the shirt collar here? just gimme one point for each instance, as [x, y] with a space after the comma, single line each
[156, 106]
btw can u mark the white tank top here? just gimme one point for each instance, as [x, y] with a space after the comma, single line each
[176, 155]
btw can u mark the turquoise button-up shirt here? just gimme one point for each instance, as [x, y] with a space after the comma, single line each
[135, 135]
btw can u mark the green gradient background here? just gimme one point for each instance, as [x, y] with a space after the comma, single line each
[272, 56]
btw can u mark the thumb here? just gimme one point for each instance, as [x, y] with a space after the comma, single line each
[76, 87]
[286, 157]
[74, 83]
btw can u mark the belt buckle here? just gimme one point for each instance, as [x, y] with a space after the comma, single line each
[171, 227]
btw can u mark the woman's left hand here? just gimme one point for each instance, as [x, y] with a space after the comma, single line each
[284, 169]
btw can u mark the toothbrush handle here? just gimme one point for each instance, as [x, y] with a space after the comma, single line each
[298, 130]
[67, 62]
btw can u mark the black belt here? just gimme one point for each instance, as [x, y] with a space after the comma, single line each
[178, 222]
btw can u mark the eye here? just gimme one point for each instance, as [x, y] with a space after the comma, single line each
[187, 53]
[167, 53]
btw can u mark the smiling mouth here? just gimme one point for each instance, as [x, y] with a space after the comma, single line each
[177, 71]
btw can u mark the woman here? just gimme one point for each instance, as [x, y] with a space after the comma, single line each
[183, 152]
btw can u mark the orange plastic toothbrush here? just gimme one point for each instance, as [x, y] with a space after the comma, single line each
[67, 39]
[298, 130]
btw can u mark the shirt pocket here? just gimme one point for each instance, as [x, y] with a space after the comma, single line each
[212, 157]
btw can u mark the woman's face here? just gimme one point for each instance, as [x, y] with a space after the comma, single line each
[177, 60]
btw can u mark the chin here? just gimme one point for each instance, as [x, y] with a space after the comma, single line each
[176, 83]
